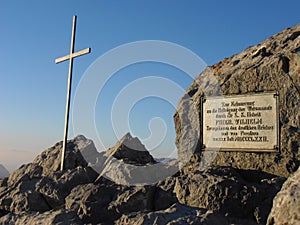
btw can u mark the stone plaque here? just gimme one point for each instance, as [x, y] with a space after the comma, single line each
[241, 123]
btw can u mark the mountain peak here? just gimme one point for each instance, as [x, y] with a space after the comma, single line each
[131, 150]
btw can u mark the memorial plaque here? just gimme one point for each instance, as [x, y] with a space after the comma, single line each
[241, 123]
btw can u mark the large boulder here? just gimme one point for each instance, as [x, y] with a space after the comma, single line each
[22, 196]
[106, 201]
[241, 194]
[79, 152]
[40, 186]
[57, 187]
[3, 172]
[176, 214]
[272, 65]
[42, 193]
[61, 217]
[91, 201]
[286, 204]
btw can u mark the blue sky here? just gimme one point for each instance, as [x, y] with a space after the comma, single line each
[34, 33]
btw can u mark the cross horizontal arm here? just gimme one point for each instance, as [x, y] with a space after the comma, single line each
[74, 55]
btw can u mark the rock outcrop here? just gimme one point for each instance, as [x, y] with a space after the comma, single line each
[79, 195]
[131, 151]
[3, 172]
[242, 194]
[176, 214]
[273, 66]
[60, 216]
[130, 163]
[286, 204]
[40, 186]
[79, 152]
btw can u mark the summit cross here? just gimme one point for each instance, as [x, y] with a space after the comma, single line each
[69, 57]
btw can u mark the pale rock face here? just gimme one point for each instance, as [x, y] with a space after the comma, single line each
[286, 204]
[273, 65]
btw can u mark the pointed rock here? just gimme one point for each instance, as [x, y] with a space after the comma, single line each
[131, 151]
[286, 207]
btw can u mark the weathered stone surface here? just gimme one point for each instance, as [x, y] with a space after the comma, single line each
[77, 150]
[91, 202]
[3, 172]
[272, 65]
[130, 163]
[164, 194]
[61, 217]
[236, 193]
[75, 196]
[30, 170]
[105, 202]
[43, 193]
[22, 196]
[286, 204]
[127, 174]
[131, 151]
[134, 199]
[57, 187]
[50, 159]
[39, 187]
[176, 214]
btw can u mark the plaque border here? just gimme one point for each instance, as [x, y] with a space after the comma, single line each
[276, 147]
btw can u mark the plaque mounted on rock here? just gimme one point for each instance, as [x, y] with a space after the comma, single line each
[241, 122]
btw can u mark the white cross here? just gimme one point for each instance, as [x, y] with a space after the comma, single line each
[70, 57]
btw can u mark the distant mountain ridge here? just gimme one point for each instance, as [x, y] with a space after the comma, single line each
[3, 172]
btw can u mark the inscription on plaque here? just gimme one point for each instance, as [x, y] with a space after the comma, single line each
[241, 123]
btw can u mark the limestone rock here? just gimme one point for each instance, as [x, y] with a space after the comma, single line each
[272, 65]
[22, 196]
[56, 188]
[79, 152]
[164, 194]
[131, 151]
[286, 204]
[40, 194]
[130, 163]
[30, 170]
[134, 199]
[3, 172]
[106, 201]
[91, 202]
[40, 186]
[176, 214]
[61, 217]
[236, 193]
[128, 174]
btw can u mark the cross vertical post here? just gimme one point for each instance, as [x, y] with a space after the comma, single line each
[69, 57]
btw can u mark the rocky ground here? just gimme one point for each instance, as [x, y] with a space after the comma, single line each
[39, 193]
[125, 185]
